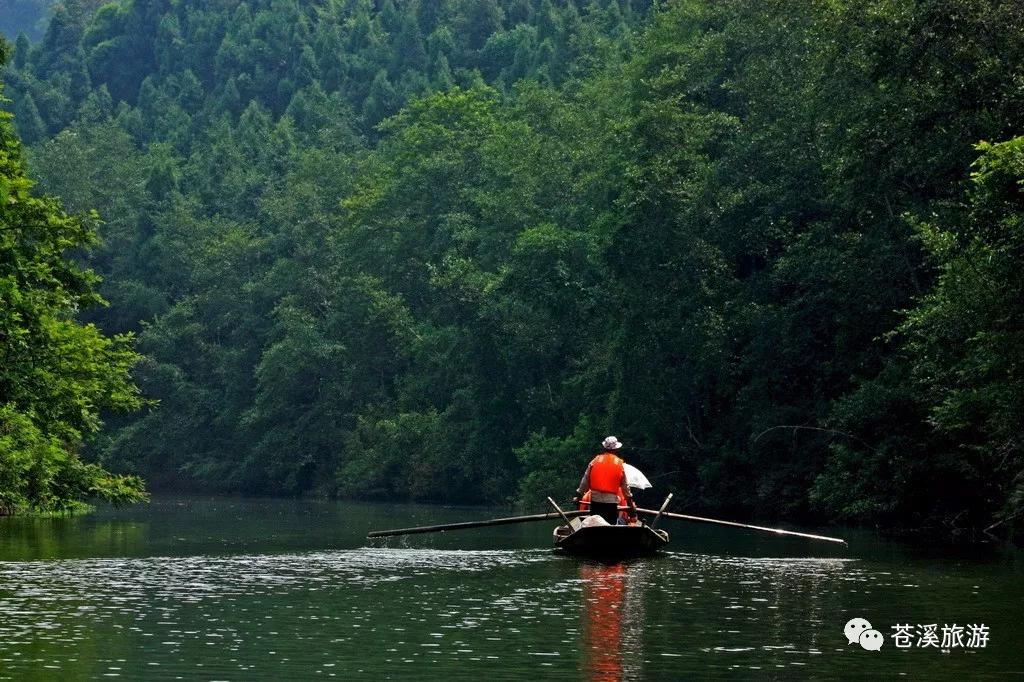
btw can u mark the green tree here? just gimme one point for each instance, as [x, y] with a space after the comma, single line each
[382, 100]
[56, 374]
[954, 455]
[30, 124]
[21, 50]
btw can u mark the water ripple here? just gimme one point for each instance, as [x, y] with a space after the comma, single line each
[388, 611]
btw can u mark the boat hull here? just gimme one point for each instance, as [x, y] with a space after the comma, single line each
[610, 542]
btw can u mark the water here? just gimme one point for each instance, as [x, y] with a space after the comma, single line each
[261, 590]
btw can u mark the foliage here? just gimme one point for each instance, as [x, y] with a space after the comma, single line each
[55, 374]
[437, 250]
[961, 382]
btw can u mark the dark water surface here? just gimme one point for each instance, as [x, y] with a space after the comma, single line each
[282, 590]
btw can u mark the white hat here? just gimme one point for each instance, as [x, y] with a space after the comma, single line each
[611, 443]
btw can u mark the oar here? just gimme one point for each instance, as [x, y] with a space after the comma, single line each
[661, 510]
[472, 524]
[777, 531]
[559, 510]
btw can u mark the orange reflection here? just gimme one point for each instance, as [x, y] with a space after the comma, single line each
[604, 592]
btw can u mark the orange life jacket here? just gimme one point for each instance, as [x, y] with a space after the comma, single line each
[606, 473]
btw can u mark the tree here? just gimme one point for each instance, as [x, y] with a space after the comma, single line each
[478, 19]
[21, 50]
[30, 123]
[382, 100]
[56, 374]
[949, 403]
[966, 339]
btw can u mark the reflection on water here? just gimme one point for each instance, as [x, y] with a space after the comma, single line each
[610, 613]
[431, 610]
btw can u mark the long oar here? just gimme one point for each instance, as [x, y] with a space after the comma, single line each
[472, 524]
[777, 531]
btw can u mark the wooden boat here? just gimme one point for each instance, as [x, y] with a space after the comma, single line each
[607, 541]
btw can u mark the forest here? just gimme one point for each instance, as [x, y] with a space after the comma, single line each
[436, 251]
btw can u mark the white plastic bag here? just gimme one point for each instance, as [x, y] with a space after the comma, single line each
[594, 520]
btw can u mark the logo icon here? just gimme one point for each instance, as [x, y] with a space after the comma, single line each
[859, 631]
[871, 640]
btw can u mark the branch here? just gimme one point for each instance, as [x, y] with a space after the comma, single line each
[816, 428]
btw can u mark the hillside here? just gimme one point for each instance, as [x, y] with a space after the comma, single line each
[436, 251]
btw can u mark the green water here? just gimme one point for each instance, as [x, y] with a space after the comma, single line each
[283, 590]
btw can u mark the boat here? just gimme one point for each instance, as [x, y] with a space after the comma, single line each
[605, 541]
[594, 537]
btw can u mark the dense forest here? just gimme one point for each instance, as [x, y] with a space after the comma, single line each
[437, 250]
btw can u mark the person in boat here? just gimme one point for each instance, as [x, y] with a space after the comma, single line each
[624, 519]
[605, 480]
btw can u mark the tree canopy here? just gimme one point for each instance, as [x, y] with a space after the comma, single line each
[438, 250]
[56, 374]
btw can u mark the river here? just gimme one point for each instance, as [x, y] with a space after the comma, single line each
[228, 589]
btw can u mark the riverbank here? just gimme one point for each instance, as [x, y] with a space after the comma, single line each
[72, 509]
